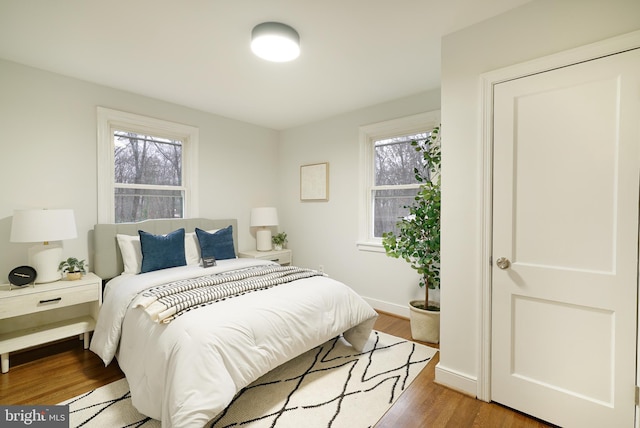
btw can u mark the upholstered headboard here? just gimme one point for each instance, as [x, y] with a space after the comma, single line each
[107, 259]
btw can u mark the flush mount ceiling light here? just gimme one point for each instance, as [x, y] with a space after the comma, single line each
[275, 41]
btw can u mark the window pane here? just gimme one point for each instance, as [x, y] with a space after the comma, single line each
[145, 159]
[140, 204]
[388, 208]
[395, 160]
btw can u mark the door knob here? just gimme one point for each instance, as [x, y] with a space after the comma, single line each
[503, 263]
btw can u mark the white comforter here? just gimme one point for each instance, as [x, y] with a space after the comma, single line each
[186, 372]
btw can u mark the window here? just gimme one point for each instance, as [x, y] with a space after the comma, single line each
[394, 183]
[147, 168]
[148, 177]
[388, 184]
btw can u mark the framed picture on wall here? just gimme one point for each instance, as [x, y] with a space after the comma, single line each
[314, 182]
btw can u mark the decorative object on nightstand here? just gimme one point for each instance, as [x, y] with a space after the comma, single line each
[73, 267]
[31, 316]
[282, 257]
[44, 226]
[21, 276]
[263, 218]
[279, 240]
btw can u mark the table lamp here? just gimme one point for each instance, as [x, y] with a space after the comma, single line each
[44, 226]
[262, 218]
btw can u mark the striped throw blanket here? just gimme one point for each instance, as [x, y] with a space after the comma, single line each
[165, 302]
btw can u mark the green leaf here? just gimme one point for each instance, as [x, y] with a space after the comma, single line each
[418, 239]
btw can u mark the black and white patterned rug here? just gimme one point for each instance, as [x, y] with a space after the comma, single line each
[329, 386]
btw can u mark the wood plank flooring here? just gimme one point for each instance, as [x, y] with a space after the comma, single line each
[57, 372]
[428, 404]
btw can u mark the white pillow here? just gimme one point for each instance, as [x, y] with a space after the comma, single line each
[131, 253]
[191, 248]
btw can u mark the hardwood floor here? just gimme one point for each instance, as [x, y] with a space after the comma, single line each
[428, 404]
[54, 373]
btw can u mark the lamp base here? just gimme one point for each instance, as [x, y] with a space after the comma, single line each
[263, 240]
[44, 258]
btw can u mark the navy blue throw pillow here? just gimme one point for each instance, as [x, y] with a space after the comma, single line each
[218, 244]
[162, 251]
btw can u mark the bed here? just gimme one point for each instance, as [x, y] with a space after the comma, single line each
[186, 354]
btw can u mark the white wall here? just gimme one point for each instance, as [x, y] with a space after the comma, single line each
[48, 155]
[539, 28]
[325, 233]
[48, 146]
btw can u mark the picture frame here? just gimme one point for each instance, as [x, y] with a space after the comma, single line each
[314, 182]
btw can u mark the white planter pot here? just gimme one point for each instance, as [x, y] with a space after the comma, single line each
[425, 325]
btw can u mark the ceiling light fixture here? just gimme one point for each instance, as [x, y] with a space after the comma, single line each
[275, 42]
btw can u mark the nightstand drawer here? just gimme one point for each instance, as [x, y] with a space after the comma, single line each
[283, 258]
[29, 303]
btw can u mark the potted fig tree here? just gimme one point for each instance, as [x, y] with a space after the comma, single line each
[418, 239]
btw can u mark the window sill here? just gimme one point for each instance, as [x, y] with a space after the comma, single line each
[375, 247]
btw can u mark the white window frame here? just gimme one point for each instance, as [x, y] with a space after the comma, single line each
[110, 120]
[369, 134]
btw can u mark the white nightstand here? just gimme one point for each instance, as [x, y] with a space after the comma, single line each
[33, 315]
[283, 257]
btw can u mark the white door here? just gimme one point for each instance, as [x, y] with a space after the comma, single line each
[565, 232]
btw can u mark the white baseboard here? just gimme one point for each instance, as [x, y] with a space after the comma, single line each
[444, 376]
[392, 308]
[456, 380]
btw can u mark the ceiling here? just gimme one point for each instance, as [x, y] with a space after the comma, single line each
[354, 53]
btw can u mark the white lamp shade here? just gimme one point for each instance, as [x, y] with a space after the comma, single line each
[264, 216]
[275, 42]
[43, 225]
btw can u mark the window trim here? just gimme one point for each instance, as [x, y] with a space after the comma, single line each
[108, 120]
[422, 122]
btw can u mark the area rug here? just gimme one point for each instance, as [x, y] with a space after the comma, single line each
[329, 386]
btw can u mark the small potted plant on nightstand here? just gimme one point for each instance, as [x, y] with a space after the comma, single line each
[279, 240]
[73, 267]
